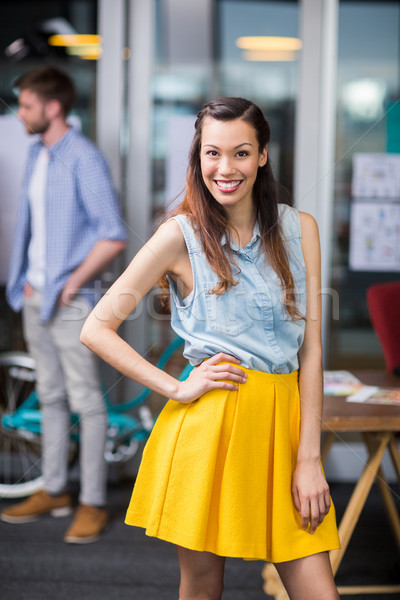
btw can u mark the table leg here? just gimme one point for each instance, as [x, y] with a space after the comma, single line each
[386, 494]
[357, 500]
[394, 453]
[348, 590]
[273, 585]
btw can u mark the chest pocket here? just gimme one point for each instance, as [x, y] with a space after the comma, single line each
[227, 313]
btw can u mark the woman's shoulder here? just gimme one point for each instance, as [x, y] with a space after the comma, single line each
[307, 221]
[296, 223]
[309, 226]
[290, 221]
[188, 231]
[169, 234]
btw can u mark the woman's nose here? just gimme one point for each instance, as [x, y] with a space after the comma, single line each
[226, 166]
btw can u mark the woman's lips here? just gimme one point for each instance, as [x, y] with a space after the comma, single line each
[228, 186]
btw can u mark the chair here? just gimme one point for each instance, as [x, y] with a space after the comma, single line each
[383, 301]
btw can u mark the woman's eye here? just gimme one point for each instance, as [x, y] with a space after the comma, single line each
[242, 153]
[212, 153]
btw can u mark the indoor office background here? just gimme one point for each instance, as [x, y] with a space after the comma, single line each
[327, 98]
[331, 96]
[159, 60]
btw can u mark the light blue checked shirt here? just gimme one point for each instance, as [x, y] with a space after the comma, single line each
[81, 209]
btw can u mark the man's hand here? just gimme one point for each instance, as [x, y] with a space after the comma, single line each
[28, 290]
[68, 293]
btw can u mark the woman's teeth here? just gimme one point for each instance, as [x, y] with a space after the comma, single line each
[228, 185]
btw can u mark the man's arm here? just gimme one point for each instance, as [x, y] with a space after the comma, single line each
[102, 253]
[97, 194]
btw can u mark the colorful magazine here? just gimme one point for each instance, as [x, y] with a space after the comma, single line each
[340, 383]
[370, 394]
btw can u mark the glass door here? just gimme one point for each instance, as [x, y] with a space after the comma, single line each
[367, 124]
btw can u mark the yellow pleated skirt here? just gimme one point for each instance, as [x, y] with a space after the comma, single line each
[216, 474]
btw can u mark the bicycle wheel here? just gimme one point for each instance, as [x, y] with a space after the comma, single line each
[20, 447]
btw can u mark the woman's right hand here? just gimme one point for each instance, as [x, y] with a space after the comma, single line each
[208, 376]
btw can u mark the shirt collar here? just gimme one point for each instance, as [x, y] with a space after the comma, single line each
[234, 246]
[63, 140]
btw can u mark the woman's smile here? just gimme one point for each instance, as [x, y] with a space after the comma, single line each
[228, 186]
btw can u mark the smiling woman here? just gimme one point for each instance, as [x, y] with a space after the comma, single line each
[232, 467]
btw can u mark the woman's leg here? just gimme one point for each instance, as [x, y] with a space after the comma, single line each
[202, 575]
[308, 578]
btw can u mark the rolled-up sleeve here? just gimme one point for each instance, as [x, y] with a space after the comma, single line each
[98, 196]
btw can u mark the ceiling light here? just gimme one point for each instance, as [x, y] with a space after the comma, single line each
[269, 43]
[85, 52]
[270, 55]
[87, 47]
[74, 40]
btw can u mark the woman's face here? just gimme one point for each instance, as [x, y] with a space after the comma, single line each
[229, 159]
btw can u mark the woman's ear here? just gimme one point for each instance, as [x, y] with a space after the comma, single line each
[263, 157]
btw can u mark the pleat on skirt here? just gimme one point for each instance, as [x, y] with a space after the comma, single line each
[216, 474]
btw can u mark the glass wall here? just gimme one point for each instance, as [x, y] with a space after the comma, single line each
[25, 29]
[268, 77]
[367, 122]
[198, 56]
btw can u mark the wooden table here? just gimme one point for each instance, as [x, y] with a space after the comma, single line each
[378, 425]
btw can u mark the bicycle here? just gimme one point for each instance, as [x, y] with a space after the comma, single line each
[129, 423]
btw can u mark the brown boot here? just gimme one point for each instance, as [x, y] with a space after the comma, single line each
[39, 504]
[89, 522]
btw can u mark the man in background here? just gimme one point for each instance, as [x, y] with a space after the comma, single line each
[68, 230]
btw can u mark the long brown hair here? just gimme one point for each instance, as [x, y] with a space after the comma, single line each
[209, 218]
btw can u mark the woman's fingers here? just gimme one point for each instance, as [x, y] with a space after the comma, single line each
[228, 372]
[310, 493]
[222, 356]
[211, 374]
[313, 510]
[327, 499]
[218, 367]
[314, 515]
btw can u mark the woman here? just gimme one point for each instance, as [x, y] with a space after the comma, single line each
[232, 467]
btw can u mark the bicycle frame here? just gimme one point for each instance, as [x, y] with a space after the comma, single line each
[125, 432]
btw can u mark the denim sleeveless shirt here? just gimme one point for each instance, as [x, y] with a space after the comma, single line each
[249, 320]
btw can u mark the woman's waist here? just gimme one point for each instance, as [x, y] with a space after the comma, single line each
[264, 374]
[258, 349]
[261, 375]
[271, 361]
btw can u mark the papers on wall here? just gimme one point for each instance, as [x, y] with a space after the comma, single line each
[375, 236]
[375, 214]
[340, 383]
[376, 176]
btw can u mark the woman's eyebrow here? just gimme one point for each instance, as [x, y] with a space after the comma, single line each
[235, 148]
[244, 144]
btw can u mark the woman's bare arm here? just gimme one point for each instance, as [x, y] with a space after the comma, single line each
[310, 490]
[162, 254]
